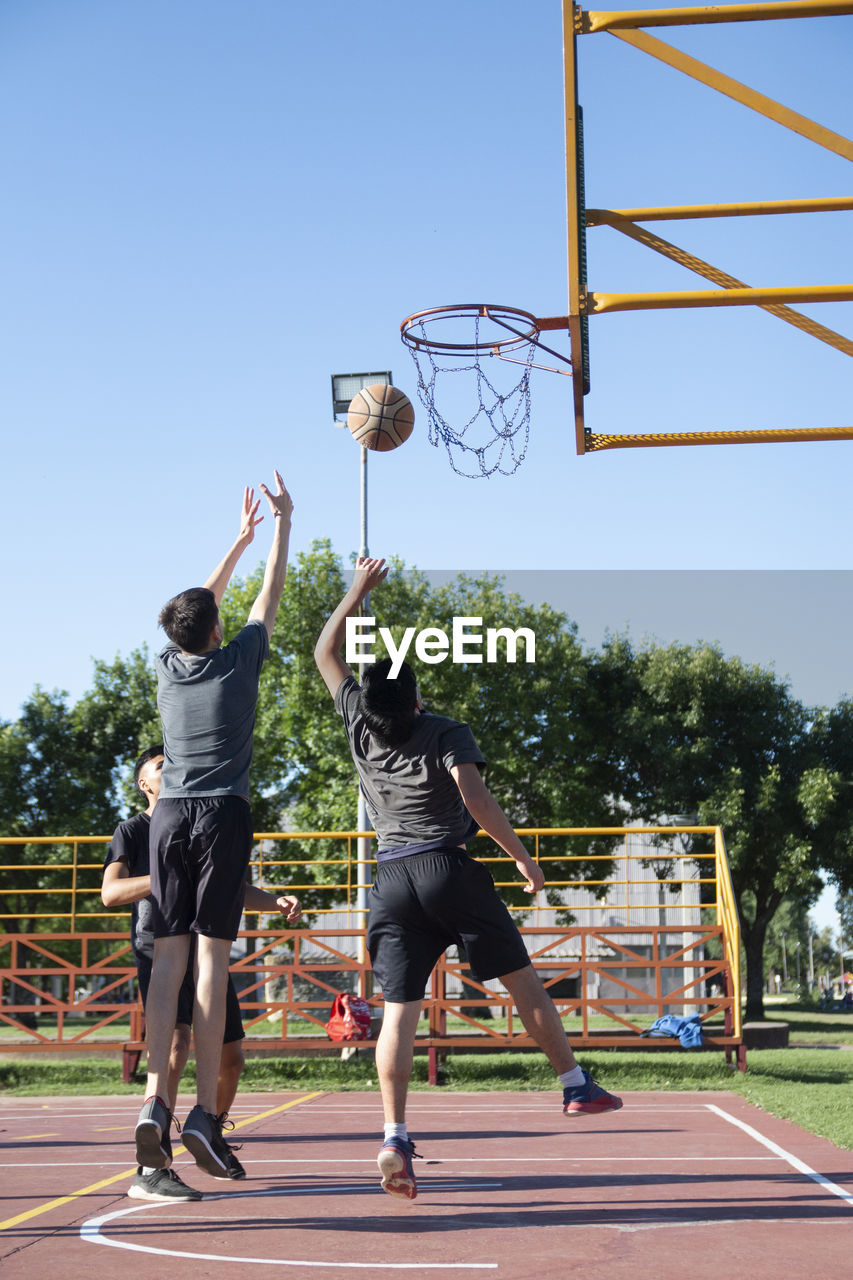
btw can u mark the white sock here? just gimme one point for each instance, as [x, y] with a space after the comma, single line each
[146, 1172]
[396, 1130]
[571, 1079]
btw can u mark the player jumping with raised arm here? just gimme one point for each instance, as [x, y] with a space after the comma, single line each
[201, 829]
[420, 776]
[127, 882]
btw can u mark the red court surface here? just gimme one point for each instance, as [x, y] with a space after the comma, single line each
[673, 1185]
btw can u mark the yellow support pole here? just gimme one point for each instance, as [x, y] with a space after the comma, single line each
[74, 888]
[604, 20]
[573, 214]
[603, 303]
[770, 435]
[746, 209]
[738, 92]
[676, 254]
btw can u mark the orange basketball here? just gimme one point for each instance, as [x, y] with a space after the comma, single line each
[381, 417]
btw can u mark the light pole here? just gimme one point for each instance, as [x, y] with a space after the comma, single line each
[784, 960]
[841, 960]
[344, 387]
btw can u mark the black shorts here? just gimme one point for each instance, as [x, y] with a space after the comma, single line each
[186, 997]
[421, 905]
[200, 851]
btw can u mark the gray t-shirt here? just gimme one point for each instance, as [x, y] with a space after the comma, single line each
[207, 705]
[410, 794]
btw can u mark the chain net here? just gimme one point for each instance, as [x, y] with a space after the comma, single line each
[494, 436]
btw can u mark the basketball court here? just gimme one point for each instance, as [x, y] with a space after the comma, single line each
[674, 1183]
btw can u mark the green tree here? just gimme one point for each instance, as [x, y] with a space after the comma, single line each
[786, 948]
[118, 716]
[825, 953]
[727, 740]
[844, 907]
[54, 780]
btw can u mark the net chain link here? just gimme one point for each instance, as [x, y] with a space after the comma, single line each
[508, 415]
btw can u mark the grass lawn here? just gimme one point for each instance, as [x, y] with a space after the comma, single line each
[811, 1085]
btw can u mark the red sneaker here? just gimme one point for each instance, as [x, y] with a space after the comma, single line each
[395, 1165]
[588, 1099]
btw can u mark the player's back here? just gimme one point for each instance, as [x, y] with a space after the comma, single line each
[207, 706]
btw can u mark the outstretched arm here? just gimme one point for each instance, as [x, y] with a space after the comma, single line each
[120, 889]
[269, 597]
[327, 650]
[221, 576]
[258, 901]
[484, 808]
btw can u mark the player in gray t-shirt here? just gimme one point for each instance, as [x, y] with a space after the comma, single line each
[201, 829]
[420, 775]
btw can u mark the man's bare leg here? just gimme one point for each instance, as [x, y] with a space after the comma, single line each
[153, 1145]
[540, 1017]
[581, 1094]
[202, 1128]
[230, 1069]
[161, 1009]
[212, 959]
[394, 1053]
[178, 1057]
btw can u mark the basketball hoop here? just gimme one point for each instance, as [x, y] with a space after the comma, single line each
[462, 339]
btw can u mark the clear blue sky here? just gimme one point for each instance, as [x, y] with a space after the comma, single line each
[211, 206]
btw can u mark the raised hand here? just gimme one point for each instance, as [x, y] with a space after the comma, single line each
[368, 574]
[249, 518]
[281, 503]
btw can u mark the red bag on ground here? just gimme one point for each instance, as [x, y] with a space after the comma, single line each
[350, 1019]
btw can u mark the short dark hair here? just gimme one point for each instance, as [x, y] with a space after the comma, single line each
[150, 753]
[189, 618]
[388, 703]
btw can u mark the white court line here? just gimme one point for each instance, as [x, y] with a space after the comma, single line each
[550, 1110]
[792, 1160]
[369, 1161]
[90, 1232]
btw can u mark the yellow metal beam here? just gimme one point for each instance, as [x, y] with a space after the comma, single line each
[573, 214]
[745, 209]
[630, 19]
[602, 303]
[781, 435]
[738, 92]
[676, 254]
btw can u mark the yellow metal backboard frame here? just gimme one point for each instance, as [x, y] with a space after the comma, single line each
[583, 302]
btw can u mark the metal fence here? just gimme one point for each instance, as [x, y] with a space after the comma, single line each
[653, 930]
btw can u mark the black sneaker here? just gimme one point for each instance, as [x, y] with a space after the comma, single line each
[235, 1169]
[203, 1138]
[162, 1184]
[153, 1145]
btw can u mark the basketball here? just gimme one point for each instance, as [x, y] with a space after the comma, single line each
[381, 417]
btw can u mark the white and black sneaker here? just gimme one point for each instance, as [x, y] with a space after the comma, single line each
[153, 1144]
[162, 1184]
[202, 1137]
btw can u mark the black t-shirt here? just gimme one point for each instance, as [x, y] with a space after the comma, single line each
[130, 846]
[412, 799]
